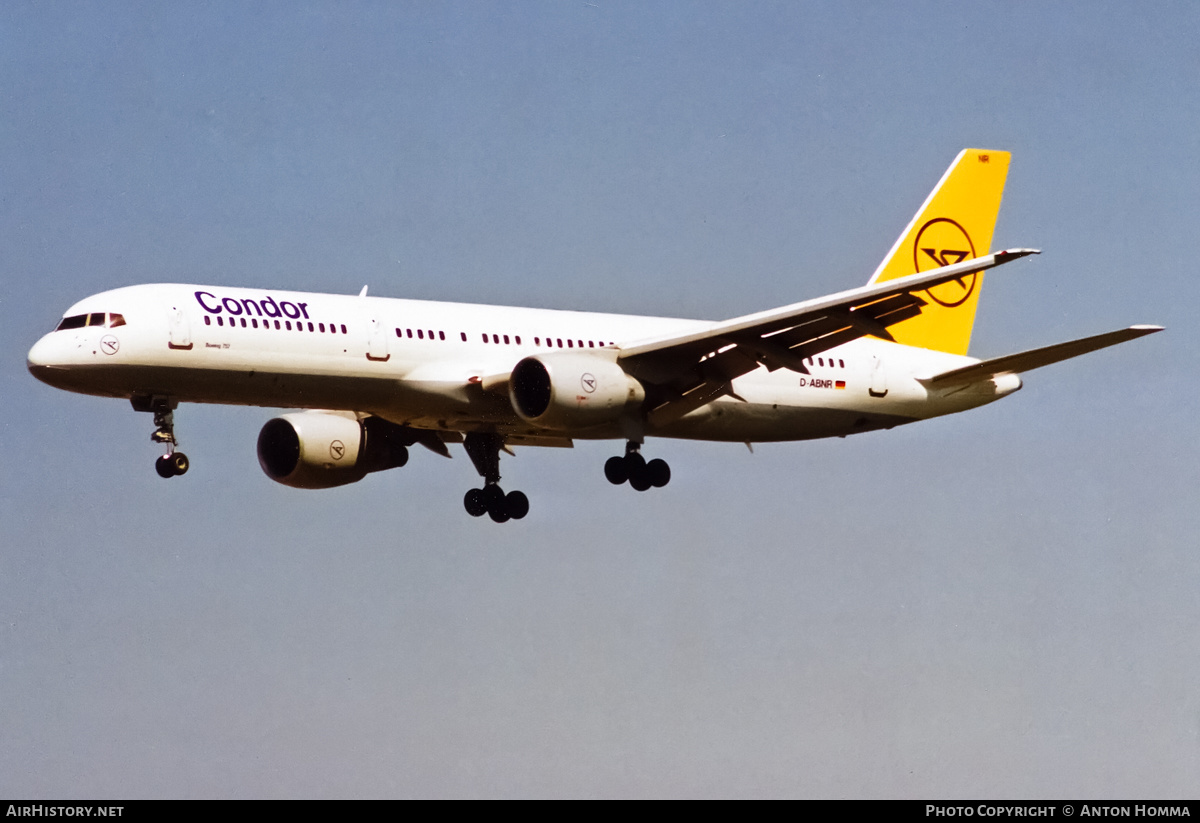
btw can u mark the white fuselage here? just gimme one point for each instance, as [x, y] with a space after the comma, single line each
[427, 364]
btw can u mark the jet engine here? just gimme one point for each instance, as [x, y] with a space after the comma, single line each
[570, 391]
[320, 450]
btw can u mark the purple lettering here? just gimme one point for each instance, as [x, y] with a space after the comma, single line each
[204, 306]
[270, 309]
[232, 306]
[290, 309]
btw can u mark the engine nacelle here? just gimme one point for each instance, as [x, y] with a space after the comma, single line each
[567, 391]
[320, 450]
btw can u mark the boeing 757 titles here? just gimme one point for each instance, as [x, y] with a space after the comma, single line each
[373, 376]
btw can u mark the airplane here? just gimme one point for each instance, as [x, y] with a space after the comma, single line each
[375, 376]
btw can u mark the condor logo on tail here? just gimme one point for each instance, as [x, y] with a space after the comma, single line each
[943, 242]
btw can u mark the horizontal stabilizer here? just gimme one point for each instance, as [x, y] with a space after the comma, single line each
[1035, 358]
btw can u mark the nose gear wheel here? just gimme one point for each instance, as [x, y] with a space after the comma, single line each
[172, 463]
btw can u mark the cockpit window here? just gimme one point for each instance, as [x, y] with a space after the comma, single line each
[77, 321]
[97, 318]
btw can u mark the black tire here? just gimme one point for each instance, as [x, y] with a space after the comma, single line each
[163, 466]
[516, 504]
[616, 470]
[658, 472]
[493, 497]
[474, 504]
[640, 480]
[179, 463]
[634, 463]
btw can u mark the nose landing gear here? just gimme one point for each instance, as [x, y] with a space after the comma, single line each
[173, 462]
[484, 451]
[634, 468]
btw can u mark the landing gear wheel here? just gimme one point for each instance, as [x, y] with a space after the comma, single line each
[633, 467]
[474, 503]
[640, 481]
[516, 504]
[484, 450]
[163, 466]
[616, 470]
[179, 463]
[634, 464]
[658, 473]
[493, 497]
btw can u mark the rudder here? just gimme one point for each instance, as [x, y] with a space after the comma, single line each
[954, 224]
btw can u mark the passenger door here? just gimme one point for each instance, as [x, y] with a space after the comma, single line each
[180, 332]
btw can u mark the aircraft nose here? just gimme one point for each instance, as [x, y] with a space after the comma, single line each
[41, 360]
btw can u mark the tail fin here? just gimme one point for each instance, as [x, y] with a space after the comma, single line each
[954, 224]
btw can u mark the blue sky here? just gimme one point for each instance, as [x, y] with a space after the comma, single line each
[1000, 603]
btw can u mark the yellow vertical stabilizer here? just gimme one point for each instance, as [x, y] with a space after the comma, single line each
[955, 223]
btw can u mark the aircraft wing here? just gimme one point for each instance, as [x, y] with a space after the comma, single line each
[692, 369]
[1034, 358]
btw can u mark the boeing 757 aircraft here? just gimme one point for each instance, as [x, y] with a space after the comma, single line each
[374, 376]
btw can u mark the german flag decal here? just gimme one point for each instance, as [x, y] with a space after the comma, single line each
[840, 384]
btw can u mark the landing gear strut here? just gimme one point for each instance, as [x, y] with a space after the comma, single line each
[172, 463]
[484, 451]
[634, 468]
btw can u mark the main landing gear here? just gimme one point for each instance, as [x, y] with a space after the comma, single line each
[634, 468]
[484, 451]
[172, 463]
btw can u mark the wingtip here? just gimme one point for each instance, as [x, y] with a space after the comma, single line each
[1147, 328]
[1013, 254]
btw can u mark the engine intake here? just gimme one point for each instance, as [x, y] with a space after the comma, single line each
[320, 450]
[570, 391]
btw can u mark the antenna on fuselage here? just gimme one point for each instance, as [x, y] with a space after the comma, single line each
[363, 293]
